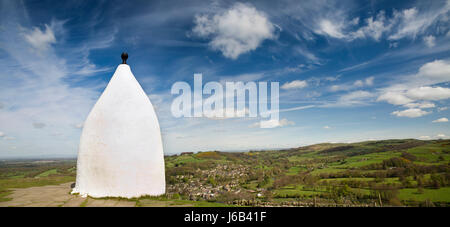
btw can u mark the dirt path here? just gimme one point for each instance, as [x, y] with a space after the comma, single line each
[56, 196]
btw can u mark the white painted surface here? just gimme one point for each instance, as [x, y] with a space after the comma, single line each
[121, 152]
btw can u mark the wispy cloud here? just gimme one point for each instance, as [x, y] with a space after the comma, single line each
[407, 23]
[430, 41]
[296, 84]
[40, 39]
[273, 123]
[357, 84]
[441, 120]
[411, 113]
[36, 88]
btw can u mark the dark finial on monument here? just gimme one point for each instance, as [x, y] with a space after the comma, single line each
[124, 58]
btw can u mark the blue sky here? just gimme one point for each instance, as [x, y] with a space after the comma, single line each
[348, 70]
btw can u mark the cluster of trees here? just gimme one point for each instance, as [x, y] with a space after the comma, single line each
[396, 162]
[436, 180]
[395, 167]
[409, 156]
[302, 178]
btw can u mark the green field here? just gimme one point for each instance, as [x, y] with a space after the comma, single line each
[441, 194]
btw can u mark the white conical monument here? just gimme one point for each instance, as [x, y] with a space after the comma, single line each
[121, 151]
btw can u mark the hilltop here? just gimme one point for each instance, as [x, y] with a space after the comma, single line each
[404, 172]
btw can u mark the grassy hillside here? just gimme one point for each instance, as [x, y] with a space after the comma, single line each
[372, 173]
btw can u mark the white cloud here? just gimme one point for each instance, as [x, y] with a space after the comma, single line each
[355, 21]
[235, 31]
[411, 113]
[332, 78]
[90, 69]
[413, 89]
[429, 93]
[298, 68]
[317, 81]
[437, 71]
[285, 122]
[353, 98]
[407, 23]
[308, 55]
[40, 39]
[326, 127]
[333, 29]
[297, 108]
[440, 120]
[441, 136]
[423, 105]
[296, 84]
[337, 87]
[273, 123]
[429, 41]
[2, 134]
[359, 83]
[411, 22]
[442, 108]
[356, 95]
[375, 28]
[369, 81]
[9, 138]
[393, 45]
[395, 98]
[424, 138]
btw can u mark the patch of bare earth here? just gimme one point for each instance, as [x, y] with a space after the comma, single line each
[57, 195]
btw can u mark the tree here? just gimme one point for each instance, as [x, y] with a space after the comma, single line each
[212, 181]
[420, 190]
